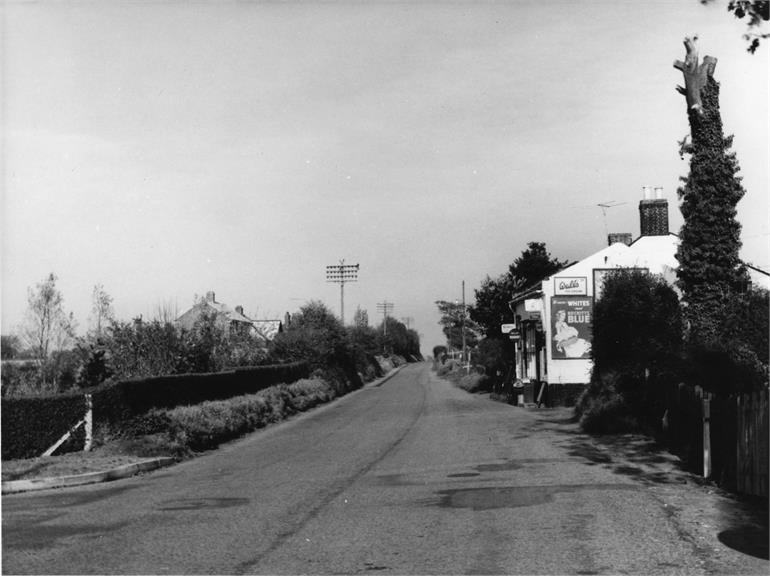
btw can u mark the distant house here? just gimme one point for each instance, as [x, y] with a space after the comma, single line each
[232, 320]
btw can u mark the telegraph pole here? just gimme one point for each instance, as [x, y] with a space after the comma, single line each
[385, 307]
[465, 358]
[339, 274]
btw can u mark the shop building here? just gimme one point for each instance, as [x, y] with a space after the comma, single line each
[553, 333]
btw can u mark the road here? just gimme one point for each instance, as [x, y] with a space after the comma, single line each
[413, 476]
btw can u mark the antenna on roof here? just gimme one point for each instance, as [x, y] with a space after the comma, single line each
[605, 206]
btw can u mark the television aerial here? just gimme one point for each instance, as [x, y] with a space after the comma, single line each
[606, 206]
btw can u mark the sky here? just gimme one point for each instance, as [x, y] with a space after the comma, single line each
[166, 149]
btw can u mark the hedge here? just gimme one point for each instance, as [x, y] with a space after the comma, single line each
[32, 425]
[24, 436]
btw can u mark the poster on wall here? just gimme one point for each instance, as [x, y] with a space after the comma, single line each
[571, 318]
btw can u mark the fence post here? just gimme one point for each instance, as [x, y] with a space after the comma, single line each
[89, 424]
[706, 435]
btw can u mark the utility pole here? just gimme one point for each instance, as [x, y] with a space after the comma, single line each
[339, 274]
[465, 358]
[385, 307]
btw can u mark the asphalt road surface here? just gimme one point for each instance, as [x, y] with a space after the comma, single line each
[412, 477]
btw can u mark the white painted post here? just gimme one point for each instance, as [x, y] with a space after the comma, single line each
[89, 424]
[706, 435]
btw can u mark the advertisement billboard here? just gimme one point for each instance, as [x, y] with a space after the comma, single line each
[571, 321]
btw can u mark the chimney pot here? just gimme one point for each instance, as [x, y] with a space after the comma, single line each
[210, 296]
[239, 309]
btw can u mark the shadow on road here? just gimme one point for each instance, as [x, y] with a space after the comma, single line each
[645, 460]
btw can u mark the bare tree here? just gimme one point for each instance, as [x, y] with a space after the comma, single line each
[47, 327]
[101, 309]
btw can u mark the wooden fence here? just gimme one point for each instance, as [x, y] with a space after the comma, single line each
[752, 443]
[724, 438]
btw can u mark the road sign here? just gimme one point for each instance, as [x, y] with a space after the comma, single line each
[507, 328]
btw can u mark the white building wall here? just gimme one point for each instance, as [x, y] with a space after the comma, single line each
[656, 253]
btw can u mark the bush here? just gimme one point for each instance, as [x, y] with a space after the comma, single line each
[473, 382]
[602, 409]
[637, 345]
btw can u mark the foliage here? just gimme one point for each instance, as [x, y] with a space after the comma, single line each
[101, 310]
[455, 323]
[47, 328]
[439, 353]
[95, 368]
[361, 318]
[491, 308]
[365, 344]
[208, 424]
[738, 361]
[492, 354]
[722, 356]
[10, 347]
[315, 335]
[756, 11]
[710, 270]
[141, 349]
[637, 346]
[400, 340]
[602, 409]
[22, 435]
[637, 324]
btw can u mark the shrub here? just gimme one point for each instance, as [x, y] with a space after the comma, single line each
[637, 344]
[473, 382]
[206, 425]
[602, 409]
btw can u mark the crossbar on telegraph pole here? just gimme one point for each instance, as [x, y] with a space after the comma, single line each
[340, 274]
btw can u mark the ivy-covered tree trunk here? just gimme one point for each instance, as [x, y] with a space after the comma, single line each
[710, 270]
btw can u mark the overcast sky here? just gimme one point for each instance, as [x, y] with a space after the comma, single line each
[165, 149]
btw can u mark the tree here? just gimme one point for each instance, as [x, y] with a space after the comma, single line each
[47, 327]
[756, 12]
[455, 322]
[10, 346]
[710, 270]
[361, 318]
[101, 310]
[492, 298]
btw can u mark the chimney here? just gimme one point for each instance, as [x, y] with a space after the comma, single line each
[239, 309]
[624, 237]
[210, 297]
[653, 212]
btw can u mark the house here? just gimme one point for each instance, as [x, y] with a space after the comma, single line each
[554, 320]
[232, 320]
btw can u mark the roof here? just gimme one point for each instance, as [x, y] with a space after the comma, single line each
[268, 329]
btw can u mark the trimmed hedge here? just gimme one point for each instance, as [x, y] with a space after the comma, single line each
[32, 425]
[127, 398]
[25, 435]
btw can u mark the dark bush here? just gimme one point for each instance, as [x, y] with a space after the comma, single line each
[637, 348]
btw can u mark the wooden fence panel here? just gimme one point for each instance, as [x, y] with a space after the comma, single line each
[752, 449]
